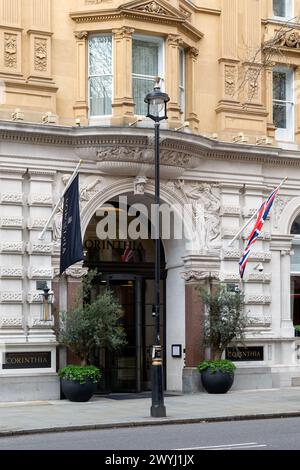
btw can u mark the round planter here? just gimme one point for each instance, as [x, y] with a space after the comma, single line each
[218, 382]
[75, 391]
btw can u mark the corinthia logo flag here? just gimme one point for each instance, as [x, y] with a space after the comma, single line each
[71, 242]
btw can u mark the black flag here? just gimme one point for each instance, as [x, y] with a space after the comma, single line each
[71, 249]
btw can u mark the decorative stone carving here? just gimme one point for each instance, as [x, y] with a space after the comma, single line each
[153, 7]
[260, 320]
[232, 211]
[40, 54]
[7, 297]
[39, 248]
[205, 201]
[258, 299]
[77, 272]
[11, 198]
[36, 199]
[139, 185]
[193, 52]
[87, 190]
[230, 80]
[231, 253]
[290, 39]
[11, 322]
[231, 277]
[175, 40]
[37, 223]
[40, 273]
[38, 323]
[10, 50]
[199, 275]
[123, 32]
[229, 233]
[279, 205]
[11, 222]
[12, 272]
[12, 247]
[260, 277]
[81, 35]
[34, 297]
[185, 12]
[252, 78]
[254, 255]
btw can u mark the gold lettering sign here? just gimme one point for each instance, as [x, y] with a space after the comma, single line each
[27, 360]
[251, 353]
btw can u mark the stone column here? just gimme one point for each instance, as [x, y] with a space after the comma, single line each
[191, 84]
[269, 102]
[81, 104]
[123, 104]
[174, 42]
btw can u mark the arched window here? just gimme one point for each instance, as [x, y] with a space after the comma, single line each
[295, 272]
[295, 230]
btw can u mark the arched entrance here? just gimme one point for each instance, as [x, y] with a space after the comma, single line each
[295, 273]
[125, 264]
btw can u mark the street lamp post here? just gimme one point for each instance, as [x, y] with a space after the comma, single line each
[157, 111]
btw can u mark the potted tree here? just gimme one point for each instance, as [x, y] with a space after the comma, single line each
[224, 322]
[88, 325]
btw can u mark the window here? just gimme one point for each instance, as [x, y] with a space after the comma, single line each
[100, 75]
[283, 8]
[283, 103]
[147, 63]
[181, 81]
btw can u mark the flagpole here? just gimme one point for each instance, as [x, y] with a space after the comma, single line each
[72, 177]
[254, 215]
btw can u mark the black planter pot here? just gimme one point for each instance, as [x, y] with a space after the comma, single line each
[218, 382]
[75, 391]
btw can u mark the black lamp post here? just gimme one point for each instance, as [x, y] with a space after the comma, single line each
[157, 111]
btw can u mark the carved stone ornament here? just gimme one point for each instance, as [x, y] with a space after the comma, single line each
[40, 248]
[205, 201]
[260, 278]
[37, 199]
[11, 272]
[140, 184]
[175, 40]
[252, 77]
[34, 297]
[279, 205]
[258, 299]
[199, 275]
[153, 7]
[193, 52]
[230, 80]
[37, 223]
[12, 247]
[11, 322]
[77, 272]
[290, 39]
[229, 277]
[81, 35]
[8, 297]
[10, 50]
[40, 54]
[40, 273]
[11, 198]
[123, 32]
[11, 222]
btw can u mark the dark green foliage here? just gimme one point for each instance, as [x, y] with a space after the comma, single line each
[225, 320]
[80, 373]
[223, 365]
[91, 323]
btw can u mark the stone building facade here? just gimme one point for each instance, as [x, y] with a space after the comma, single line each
[73, 76]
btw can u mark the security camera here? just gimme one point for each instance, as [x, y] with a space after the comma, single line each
[259, 267]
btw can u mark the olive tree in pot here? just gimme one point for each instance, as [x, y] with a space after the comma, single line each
[224, 322]
[85, 327]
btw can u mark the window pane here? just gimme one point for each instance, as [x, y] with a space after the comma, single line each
[100, 55]
[145, 58]
[280, 115]
[141, 87]
[279, 86]
[279, 8]
[100, 96]
[295, 230]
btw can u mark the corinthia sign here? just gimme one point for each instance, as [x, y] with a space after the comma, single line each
[252, 353]
[27, 360]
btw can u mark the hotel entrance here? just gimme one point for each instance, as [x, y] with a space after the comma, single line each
[127, 268]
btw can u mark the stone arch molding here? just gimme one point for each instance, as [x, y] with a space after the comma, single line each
[288, 216]
[124, 186]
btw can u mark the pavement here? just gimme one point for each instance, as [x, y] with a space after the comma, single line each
[117, 410]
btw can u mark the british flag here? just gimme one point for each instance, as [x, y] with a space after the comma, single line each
[261, 217]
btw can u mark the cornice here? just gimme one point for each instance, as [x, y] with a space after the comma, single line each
[89, 139]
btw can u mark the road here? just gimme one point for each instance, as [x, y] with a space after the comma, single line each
[272, 434]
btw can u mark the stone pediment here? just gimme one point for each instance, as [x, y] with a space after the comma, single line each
[153, 8]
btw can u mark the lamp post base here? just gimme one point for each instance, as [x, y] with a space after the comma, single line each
[158, 409]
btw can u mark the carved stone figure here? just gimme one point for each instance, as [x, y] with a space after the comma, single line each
[139, 185]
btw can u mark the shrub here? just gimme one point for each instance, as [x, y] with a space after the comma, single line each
[80, 373]
[224, 366]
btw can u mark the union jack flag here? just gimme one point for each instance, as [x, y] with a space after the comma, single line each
[261, 217]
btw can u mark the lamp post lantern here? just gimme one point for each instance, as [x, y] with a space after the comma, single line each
[157, 111]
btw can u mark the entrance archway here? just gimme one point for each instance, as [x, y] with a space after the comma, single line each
[126, 266]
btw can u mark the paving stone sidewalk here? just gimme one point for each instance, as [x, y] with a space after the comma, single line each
[118, 411]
